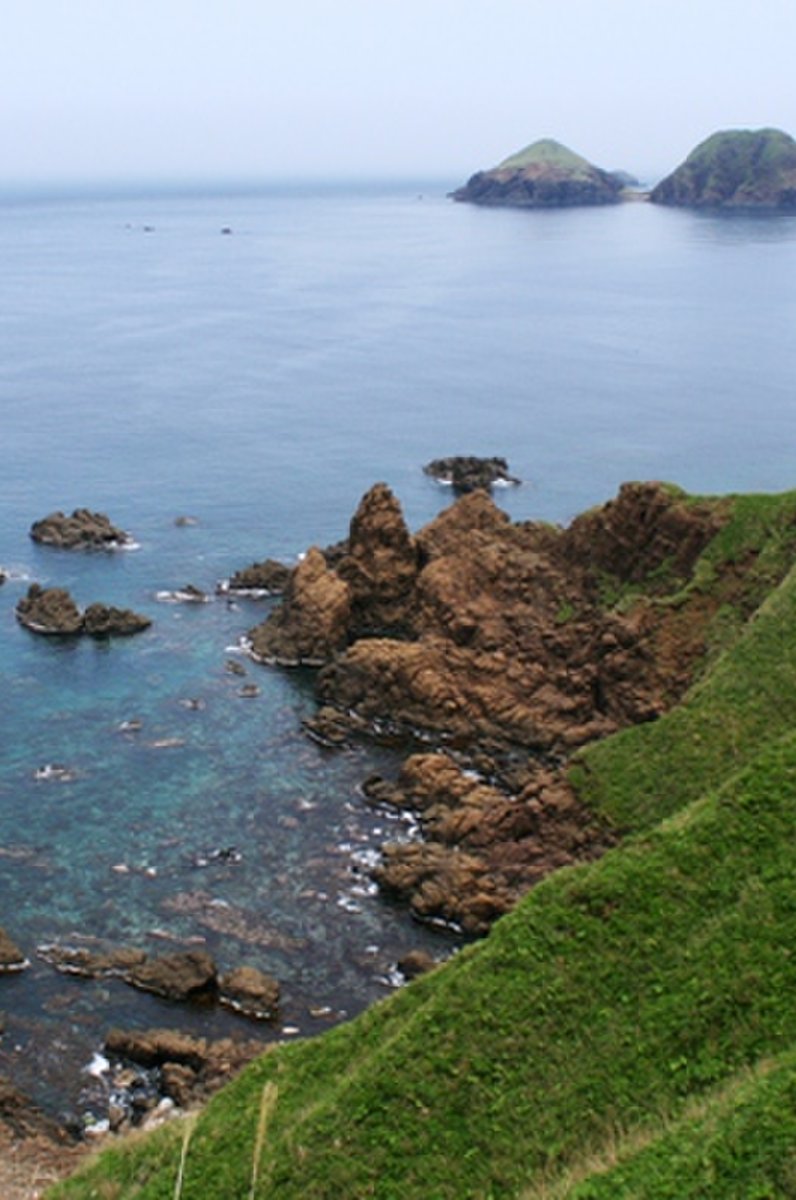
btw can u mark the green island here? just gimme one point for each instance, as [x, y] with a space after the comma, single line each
[736, 168]
[629, 1028]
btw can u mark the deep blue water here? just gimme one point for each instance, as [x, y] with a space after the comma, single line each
[260, 382]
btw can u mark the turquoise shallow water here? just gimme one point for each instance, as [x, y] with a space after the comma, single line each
[261, 382]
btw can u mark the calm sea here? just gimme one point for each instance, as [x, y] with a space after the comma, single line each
[259, 381]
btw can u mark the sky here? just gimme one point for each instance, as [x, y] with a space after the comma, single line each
[422, 89]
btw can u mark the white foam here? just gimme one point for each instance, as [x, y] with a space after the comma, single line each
[98, 1066]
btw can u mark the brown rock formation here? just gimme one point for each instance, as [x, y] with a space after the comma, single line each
[53, 611]
[34, 1150]
[268, 576]
[83, 530]
[49, 611]
[485, 843]
[311, 624]
[482, 633]
[468, 473]
[380, 566]
[177, 976]
[11, 957]
[249, 991]
[103, 620]
[191, 1068]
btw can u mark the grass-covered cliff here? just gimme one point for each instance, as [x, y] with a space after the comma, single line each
[629, 1030]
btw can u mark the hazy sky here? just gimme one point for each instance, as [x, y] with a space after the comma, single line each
[106, 89]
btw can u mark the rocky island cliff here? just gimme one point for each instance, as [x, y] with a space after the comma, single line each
[543, 175]
[737, 168]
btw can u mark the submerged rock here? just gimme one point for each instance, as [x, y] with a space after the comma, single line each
[466, 473]
[83, 530]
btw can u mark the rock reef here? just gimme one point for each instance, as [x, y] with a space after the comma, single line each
[737, 168]
[543, 175]
[468, 473]
[83, 530]
[53, 612]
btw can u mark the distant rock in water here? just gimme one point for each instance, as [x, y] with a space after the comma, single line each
[543, 175]
[267, 578]
[11, 957]
[84, 530]
[103, 620]
[52, 611]
[738, 168]
[466, 473]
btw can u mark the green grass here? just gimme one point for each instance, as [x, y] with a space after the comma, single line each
[547, 152]
[631, 1026]
[738, 1144]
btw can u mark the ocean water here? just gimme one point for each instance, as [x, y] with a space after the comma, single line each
[261, 381]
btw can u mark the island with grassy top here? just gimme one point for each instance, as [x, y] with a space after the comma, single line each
[543, 175]
[737, 168]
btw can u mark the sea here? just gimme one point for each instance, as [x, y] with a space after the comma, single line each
[254, 358]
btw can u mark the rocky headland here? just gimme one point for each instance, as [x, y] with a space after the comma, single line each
[502, 648]
[543, 175]
[53, 612]
[737, 168]
[83, 530]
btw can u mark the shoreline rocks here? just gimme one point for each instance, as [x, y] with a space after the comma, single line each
[185, 975]
[83, 530]
[53, 612]
[502, 644]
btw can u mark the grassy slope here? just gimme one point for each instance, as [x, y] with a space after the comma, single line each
[737, 1144]
[748, 696]
[615, 997]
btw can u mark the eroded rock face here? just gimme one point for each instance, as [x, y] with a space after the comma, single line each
[311, 625]
[380, 566]
[83, 530]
